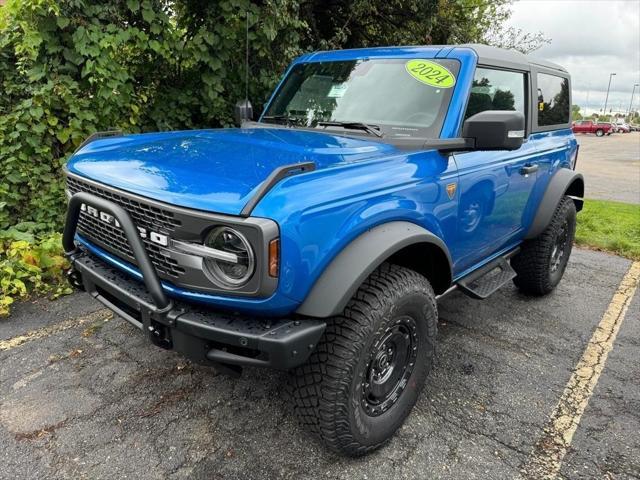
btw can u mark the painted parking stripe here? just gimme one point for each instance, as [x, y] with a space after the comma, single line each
[546, 459]
[102, 314]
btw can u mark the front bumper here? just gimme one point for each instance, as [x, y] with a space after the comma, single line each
[201, 334]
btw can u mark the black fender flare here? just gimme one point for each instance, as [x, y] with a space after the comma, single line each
[564, 182]
[346, 272]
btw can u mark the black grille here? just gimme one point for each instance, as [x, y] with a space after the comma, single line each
[143, 215]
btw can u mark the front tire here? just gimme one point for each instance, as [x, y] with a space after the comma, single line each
[542, 261]
[369, 368]
[599, 133]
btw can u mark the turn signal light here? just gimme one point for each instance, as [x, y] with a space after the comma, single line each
[274, 257]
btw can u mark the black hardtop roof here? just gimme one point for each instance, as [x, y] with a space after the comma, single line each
[488, 55]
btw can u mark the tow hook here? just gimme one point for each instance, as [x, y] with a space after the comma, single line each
[75, 279]
[158, 335]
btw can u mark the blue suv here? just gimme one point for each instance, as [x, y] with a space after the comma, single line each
[319, 238]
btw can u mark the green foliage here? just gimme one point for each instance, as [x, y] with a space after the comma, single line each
[29, 264]
[621, 236]
[73, 67]
[575, 113]
[363, 23]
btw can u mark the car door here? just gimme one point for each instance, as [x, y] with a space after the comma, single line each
[494, 186]
[582, 127]
[550, 133]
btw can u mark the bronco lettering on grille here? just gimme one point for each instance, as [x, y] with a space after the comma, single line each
[109, 219]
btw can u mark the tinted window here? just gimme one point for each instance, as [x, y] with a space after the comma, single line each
[553, 100]
[376, 91]
[496, 90]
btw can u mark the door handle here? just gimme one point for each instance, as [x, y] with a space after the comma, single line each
[527, 169]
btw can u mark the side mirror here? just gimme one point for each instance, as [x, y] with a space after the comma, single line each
[243, 112]
[495, 130]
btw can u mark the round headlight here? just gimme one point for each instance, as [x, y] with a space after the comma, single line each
[232, 273]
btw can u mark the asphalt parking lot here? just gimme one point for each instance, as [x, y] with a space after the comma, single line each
[611, 166]
[83, 395]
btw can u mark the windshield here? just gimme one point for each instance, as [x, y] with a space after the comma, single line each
[397, 97]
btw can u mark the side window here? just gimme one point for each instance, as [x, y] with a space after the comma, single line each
[553, 100]
[496, 90]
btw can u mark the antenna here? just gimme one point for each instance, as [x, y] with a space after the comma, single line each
[246, 59]
[243, 110]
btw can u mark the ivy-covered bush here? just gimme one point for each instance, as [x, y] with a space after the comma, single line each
[28, 264]
[72, 67]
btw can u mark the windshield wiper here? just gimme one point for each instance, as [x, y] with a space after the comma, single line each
[367, 127]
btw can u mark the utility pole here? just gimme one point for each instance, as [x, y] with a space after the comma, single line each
[586, 106]
[631, 102]
[607, 99]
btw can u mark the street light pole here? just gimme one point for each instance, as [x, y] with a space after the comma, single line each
[586, 106]
[631, 102]
[607, 99]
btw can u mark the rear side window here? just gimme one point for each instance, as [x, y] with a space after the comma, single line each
[553, 100]
[496, 90]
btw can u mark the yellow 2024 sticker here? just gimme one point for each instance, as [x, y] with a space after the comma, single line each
[430, 73]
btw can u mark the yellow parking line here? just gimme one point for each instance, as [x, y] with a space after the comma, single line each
[102, 314]
[546, 459]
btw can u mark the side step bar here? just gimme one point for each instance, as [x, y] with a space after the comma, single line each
[488, 279]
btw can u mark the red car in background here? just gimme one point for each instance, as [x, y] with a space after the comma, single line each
[588, 126]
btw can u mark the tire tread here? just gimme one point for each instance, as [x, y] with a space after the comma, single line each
[532, 262]
[316, 389]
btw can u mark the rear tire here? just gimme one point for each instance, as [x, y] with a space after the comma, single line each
[542, 261]
[367, 372]
[599, 133]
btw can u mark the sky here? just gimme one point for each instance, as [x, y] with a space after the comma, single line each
[591, 39]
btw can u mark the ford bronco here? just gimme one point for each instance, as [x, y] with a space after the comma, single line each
[319, 238]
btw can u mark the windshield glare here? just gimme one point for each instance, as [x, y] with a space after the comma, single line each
[376, 92]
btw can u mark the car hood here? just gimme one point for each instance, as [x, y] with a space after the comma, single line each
[213, 170]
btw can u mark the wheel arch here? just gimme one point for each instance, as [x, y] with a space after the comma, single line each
[400, 242]
[564, 182]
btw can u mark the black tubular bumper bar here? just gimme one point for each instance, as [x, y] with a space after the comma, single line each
[204, 335]
[149, 274]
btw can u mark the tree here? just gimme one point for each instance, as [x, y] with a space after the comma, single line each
[481, 21]
[575, 113]
[69, 68]
[363, 23]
